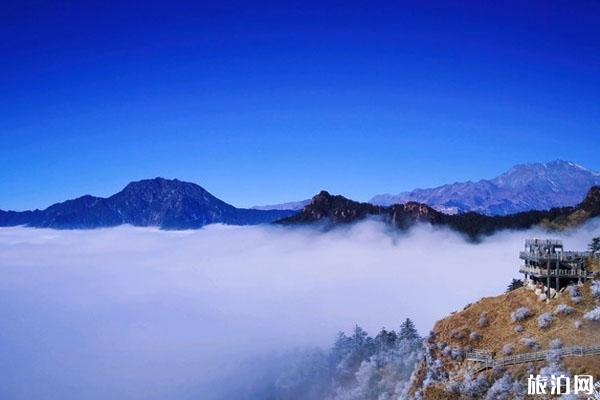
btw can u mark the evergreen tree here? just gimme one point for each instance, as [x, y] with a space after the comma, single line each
[514, 284]
[341, 347]
[359, 337]
[408, 330]
[385, 339]
[594, 246]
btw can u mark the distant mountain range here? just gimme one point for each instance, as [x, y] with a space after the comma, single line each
[538, 186]
[164, 203]
[173, 204]
[329, 211]
[292, 205]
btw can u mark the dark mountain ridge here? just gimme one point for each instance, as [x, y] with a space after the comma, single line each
[173, 204]
[165, 203]
[336, 210]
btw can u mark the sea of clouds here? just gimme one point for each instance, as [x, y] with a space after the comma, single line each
[137, 313]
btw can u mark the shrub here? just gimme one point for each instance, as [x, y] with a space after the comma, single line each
[483, 320]
[475, 336]
[530, 343]
[595, 289]
[573, 290]
[457, 334]
[505, 388]
[563, 309]
[457, 354]
[554, 367]
[508, 349]
[498, 371]
[545, 320]
[520, 314]
[519, 328]
[453, 387]
[474, 387]
[575, 293]
[577, 324]
[593, 315]
[555, 344]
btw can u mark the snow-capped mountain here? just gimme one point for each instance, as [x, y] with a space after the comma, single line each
[292, 205]
[536, 186]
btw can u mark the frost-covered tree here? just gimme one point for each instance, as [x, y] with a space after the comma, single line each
[530, 343]
[408, 331]
[595, 289]
[594, 245]
[341, 347]
[385, 339]
[563, 309]
[474, 386]
[358, 347]
[554, 366]
[433, 366]
[359, 337]
[520, 314]
[593, 315]
[508, 349]
[505, 388]
[483, 321]
[304, 374]
[373, 368]
[545, 320]
[575, 293]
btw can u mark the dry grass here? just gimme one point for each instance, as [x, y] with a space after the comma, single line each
[455, 329]
[500, 330]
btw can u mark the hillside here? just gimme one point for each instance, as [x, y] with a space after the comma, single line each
[488, 325]
[164, 203]
[525, 187]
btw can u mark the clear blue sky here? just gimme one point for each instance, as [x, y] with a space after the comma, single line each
[265, 102]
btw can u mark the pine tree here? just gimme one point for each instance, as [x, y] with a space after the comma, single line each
[514, 284]
[594, 246]
[408, 330]
[385, 340]
[359, 337]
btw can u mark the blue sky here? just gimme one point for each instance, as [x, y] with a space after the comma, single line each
[266, 102]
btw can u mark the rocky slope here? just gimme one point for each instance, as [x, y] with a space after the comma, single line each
[489, 325]
[537, 186]
[168, 204]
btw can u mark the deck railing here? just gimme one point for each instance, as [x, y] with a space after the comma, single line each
[567, 256]
[491, 362]
[567, 273]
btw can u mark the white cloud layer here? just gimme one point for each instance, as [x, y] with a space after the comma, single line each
[130, 313]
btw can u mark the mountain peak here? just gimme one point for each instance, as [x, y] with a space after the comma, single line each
[333, 208]
[166, 203]
[524, 187]
[159, 183]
